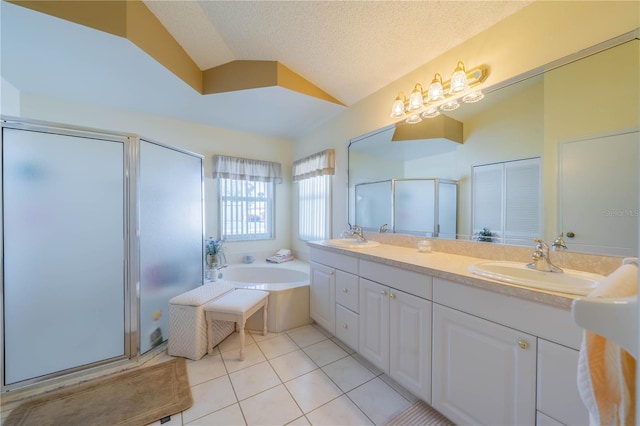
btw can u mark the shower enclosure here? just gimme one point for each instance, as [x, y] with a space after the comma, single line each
[100, 230]
[419, 206]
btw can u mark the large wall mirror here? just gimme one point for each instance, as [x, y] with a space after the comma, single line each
[574, 122]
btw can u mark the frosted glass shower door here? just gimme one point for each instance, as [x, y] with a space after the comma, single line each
[373, 204]
[64, 252]
[414, 206]
[171, 234]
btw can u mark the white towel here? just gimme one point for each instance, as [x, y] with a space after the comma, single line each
[279, 258]
[606, 372]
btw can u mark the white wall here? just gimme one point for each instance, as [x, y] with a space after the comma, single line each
[193, 137]
[9, 99]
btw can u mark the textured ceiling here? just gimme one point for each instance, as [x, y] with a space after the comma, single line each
[348, 49]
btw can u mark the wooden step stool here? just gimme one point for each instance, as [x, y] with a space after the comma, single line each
[237, 306]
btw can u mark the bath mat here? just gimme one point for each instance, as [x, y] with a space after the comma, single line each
[419, 414]
[137, 397]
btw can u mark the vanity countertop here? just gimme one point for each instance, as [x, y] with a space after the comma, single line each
[450, 267]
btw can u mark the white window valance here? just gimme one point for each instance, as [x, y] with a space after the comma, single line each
[246, 169]
[318, 164]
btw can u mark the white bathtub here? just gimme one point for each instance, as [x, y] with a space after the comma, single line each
[288, 287]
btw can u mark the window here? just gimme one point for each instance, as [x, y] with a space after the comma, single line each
[313, 175]
[246, 209]
[314, 195]
[246, 194]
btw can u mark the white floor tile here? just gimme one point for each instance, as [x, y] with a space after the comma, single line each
[325, 352]
[233, 341]
[176, 420]
[312, 390]
[343, 345]
[339, 412]
[378, 400]
[300, 421]
[292, 365]
[348, 373]
[306, 335]
[252, 380]
[272, 407]
[258, 337]
[205, 369]
[252, 356]
[209, 397]
[277, 346]
[231, 415]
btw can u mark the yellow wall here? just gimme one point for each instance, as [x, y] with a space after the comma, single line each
[537, 35]
[611, 103]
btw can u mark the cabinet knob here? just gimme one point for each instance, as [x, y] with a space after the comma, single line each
[345, 326]
[332, 272]
[344, 290]
[523, 344]
[384, 293]
[393, 296]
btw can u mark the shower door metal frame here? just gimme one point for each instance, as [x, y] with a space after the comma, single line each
[130, 249]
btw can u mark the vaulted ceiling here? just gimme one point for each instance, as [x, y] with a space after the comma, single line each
[324, 56]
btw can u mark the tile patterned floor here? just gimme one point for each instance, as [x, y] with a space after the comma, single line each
[299, 377]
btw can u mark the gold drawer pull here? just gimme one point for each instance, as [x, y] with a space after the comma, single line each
[384, 293]
[344, 290]
[393, 296]
[523, 344]
[345, 326]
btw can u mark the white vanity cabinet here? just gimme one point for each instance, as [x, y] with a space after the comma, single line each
[330, 271]
[557, 396]
[494, 358]
[502, 360]
[484, 373]
[395, 325]
[322, 296]
[347, 308]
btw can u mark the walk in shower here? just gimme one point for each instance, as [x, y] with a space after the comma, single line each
[100, 230]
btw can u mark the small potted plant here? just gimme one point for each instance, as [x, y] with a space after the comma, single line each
[214, 252]
[485, 235]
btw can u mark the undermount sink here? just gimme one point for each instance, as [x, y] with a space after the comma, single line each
[351, 243]
[569, 281]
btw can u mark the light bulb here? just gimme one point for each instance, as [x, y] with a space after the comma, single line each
[473, 97]
[413, 119]
[397, 108]
[416, 100]
[449, 106]
[459, 82]
[431, 112]
[436, 91]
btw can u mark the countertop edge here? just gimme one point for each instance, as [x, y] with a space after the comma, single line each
[453, 272]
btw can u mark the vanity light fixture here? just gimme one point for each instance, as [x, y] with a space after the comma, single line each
[440, 96]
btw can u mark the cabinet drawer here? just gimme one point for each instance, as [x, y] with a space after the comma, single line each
[347, 290]
[408, 281]
[558, 395]
[334, 260]
[347, 326]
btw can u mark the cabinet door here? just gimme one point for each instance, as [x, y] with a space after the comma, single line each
[483, 373]
[322, 303]
[410, 343]
[558, 395]
[373, 341]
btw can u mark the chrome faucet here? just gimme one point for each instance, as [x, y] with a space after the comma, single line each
[541, 260]
[558, 243]
[357, 232]
[383, 229]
